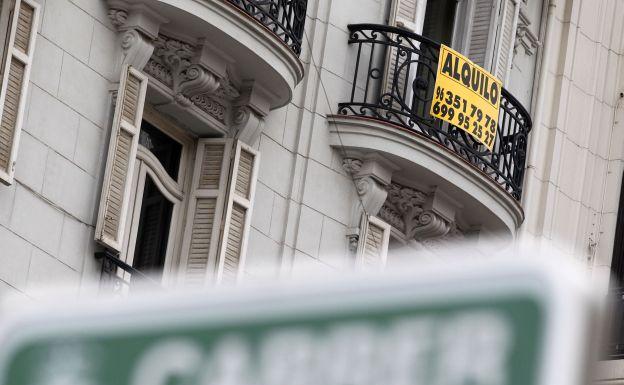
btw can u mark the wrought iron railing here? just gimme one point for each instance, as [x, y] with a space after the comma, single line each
[285, 18]
[393, 81]
[117, 277]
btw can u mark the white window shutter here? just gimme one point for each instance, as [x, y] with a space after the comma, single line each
[506, 38]
[373, 243]
[121, 156]
[409, 15]
[483, 32]
[17, 62]
[237, 220]
[205, 210]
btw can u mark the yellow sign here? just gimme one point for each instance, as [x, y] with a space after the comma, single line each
[466, 96]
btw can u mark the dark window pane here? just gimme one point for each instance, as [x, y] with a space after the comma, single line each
[166, 150]
[153, 232]
[617, 261]
[439, 20]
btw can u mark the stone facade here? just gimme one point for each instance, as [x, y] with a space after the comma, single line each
[567, 73]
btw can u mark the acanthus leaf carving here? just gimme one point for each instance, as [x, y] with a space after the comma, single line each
[191, 83]
[406, 210]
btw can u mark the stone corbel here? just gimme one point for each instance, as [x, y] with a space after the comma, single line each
[248, 125]
[196, 80]
[371, 175]
[206, 74]
[139, 27]
[429, 225]
[418, 215]
[136, 49]
[255, 97]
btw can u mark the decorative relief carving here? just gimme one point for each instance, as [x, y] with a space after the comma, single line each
[191, 83]
[351, 165]
[117, 17]
[160, 72]
[353, 241]
[241, 115]
[137, 48]
[210, 106]
[406, 210]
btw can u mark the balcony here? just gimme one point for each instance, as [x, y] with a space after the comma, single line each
[117, 277]
[245, 44]
[387, 111]
[285, 18]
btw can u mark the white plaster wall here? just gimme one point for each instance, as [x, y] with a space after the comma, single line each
[47, 216]
[304, 197]
[575, 161]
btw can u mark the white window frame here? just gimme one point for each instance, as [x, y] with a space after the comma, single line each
[175, 191]
[8, 22]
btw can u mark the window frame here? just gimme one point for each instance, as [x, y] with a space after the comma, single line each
[176, 191]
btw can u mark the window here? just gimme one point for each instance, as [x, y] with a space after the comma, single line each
[156, 197]
[373, 243]
[484, 30]
[19, 20]
[181, 220]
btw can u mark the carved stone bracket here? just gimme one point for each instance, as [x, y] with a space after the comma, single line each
[371, 175]
[191, 74]
[418, 215]
[136, 49]
[248, 124]
[139, 27]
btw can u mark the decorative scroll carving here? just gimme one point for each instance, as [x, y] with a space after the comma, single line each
[406, 209]
[248, 124]
[137, 48]
[351, 165]
[210, 106]
[172, 63]
[117, 17]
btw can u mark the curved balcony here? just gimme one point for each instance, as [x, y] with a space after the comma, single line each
[393, 84]
[285, 18]
[407, 105]
[259, 40]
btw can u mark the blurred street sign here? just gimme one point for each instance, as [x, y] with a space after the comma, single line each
[494, 323]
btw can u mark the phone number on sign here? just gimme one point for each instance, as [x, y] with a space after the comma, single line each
[464, 115]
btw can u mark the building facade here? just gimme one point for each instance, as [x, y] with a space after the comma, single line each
[208, 142]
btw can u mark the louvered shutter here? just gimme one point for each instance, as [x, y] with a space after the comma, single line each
[407, 14]
[483, 32]
[373, 243]
[17, 63]
[238, 213]
[493, 35]
[506, 37]
[121, 156]
[205, 210]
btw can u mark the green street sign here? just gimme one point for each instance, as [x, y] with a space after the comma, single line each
[488, 325]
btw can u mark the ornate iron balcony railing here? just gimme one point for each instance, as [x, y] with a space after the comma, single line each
[285, 18]
[117, 276]
[401, 92]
